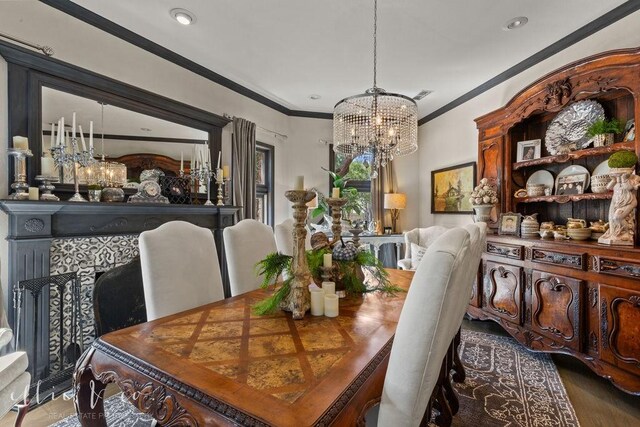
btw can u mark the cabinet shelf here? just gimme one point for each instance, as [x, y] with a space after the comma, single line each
[588, 152]
[566, 198]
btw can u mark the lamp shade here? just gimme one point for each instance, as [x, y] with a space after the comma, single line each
[395, 200]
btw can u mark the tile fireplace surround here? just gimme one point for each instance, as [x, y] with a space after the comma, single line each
[50, 238]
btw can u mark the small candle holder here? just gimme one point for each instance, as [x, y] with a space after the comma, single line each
[20, 185]
[327, 274]
[356, 235]
[46, 188]
[336, 204]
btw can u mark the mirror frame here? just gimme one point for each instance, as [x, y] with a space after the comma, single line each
[29, 72]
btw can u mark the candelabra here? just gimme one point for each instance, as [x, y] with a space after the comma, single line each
[298, 301]
[47, 187]
[75, 159]
[204, 173]
[20, 166]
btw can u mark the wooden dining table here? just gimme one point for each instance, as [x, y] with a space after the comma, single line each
[220, 364]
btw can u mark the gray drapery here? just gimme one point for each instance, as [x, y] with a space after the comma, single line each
[382, 184]
[243, 149]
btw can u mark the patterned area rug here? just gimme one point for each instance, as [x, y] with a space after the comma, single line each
[506, 386]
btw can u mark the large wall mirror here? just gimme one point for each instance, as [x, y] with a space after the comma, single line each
[136, 140]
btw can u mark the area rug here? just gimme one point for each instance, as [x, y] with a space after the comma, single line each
[506, 386]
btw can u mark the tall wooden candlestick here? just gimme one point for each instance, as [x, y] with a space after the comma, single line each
[336, 204]
[298, 301]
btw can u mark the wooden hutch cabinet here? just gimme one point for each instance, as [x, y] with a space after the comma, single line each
[566, 296]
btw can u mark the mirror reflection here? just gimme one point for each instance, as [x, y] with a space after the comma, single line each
[138, 141]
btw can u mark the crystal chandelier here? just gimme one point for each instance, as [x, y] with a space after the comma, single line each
[382, 124]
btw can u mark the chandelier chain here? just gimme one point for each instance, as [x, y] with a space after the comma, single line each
[375, 43]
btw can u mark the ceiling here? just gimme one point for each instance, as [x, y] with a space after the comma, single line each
[287, 50]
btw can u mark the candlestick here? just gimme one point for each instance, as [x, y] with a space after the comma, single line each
[46, 188]
[20, 167]
[326, 273]
[336, 212]
[331, 305]
[299, 183]
[298, 300]
[317, 302]
[220, 182]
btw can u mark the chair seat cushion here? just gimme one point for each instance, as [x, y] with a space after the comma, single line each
[11, 366]
[417, 252]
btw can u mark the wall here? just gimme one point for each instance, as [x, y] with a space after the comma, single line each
[452, 138]
[4, 133]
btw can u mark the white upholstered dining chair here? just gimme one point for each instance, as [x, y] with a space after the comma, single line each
[426, 327]
[284, 237]
[14, 378]
[416, 242]
[180, 268]
[246, 243]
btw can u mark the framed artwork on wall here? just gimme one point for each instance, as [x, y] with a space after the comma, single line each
[451, 188]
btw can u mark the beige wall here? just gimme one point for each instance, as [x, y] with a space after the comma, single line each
[452, 138]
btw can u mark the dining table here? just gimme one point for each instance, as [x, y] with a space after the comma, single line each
[222, 364]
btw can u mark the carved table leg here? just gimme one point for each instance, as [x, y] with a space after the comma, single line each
[89, 393]
[459, 374]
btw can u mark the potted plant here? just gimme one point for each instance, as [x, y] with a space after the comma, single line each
[483, 198]
[355, 201]
[622, 161]
[95, 192]
[602, 131]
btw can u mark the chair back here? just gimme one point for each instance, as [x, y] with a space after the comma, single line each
[427, 325]
[180, 268]
[284, 237]
[246, 243]
[422, 237]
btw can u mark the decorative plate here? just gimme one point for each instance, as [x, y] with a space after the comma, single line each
[602, 169]
[572, 180]
[541, 177]
[568, 130]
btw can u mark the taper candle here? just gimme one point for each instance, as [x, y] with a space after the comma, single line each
[331, 306]
[59, 135]
[299, 183]
[317, 301]
[73, 125]
[335, 193]
[219, 159]
[327, 260]
[182, 161]
[84, 145]
[53, 135]
[91, 135]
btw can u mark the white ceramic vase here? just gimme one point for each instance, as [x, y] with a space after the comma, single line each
[482, 212]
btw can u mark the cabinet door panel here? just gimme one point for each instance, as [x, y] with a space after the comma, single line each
[620, 327]
[503, 285]
[556, 306]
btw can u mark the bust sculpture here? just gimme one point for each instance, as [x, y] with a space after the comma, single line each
[622, 211]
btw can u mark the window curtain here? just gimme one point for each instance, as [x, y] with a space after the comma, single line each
[243, 152]
[382, 184]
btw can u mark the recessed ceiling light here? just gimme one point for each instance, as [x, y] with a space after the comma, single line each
[423, 93]
[183, 16]
[314, 97]
[515, 23]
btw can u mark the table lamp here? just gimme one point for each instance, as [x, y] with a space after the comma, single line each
[395, 202]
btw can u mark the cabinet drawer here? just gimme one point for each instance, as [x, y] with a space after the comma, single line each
[505, 250]
[545, 256]
[619, 330]
[556, 311]
[503, 291]
[617, 267]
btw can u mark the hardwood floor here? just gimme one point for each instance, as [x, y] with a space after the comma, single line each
[597, 403]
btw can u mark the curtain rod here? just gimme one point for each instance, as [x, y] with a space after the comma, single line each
[45, 49]
[281, 135]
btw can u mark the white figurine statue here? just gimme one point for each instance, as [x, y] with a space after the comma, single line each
[622, 212]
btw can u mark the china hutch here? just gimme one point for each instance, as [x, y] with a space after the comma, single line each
[580, 298]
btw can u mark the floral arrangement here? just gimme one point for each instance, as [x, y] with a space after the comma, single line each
[485, 193]
[349, 263]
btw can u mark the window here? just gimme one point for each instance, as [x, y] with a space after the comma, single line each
[264, 183]
[359, 170]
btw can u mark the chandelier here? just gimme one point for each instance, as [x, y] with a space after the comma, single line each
[381, 124]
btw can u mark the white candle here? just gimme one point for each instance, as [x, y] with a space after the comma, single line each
[53, 135]
[73, 125]
[47, 166]
[317, 302]
[225, 171]
[91, 135]
[327, 261]
[34, 193]
[219, 158]
[84, 145]
[329, 287]
[20, 143]
[331, 308]
[59, 136]
[64, 142]
[208, 154]
[335, 193]
[299, 183]
[182, 161]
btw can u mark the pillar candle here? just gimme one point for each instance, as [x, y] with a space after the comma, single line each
[34, 193]
[20, 143]
[225, 171]
[327, 260]
[317, 302]
[335, 193]
[331, 308]
[299, 183]
[329, 287]
[47, 166]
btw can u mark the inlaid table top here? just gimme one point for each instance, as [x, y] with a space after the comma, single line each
[221, 364]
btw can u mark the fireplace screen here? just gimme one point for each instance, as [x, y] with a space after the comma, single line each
[49, 329]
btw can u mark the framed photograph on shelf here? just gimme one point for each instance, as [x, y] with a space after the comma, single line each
[571, 184]
[509, 224]
[529, 150]
[451, 188]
